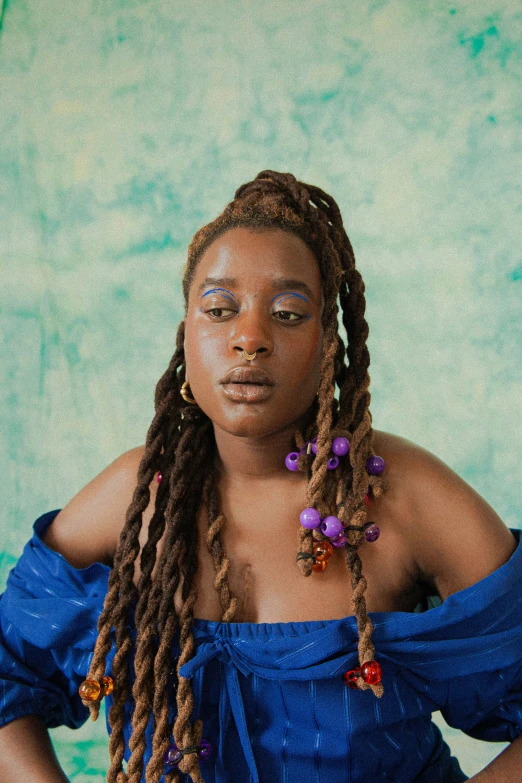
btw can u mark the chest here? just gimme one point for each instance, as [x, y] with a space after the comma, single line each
[260, 543]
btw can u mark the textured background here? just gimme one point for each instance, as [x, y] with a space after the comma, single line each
[125, 125]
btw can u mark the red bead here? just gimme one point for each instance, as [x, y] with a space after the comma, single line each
[367, 500]
[350, 677]
[371, 672]
[159, 477]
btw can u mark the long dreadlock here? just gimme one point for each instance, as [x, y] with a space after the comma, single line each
[141, 621]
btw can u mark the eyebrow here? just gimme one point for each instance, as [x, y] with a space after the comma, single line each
[217, 281]
[283, 283]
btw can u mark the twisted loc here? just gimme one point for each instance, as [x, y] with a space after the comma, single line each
[180, 443]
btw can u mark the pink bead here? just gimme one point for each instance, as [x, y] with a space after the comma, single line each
[340, 446]
[310, 518]
[159, 477]
[331, 526]
[291, 460]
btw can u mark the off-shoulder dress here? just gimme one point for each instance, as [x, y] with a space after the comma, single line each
[271, 695]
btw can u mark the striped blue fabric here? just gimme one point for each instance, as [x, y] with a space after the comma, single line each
[271, 695]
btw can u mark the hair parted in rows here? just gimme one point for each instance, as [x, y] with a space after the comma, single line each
[180, 444]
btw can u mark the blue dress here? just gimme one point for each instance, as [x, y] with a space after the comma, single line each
[271, 695]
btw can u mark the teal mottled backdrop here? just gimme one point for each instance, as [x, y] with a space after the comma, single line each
[126, 124]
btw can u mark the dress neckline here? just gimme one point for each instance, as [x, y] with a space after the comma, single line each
[489, 585]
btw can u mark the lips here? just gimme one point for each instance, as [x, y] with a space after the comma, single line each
[244, 375]
[247, 384]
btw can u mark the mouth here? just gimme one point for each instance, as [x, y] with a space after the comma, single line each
[248, 375]
[247, 384]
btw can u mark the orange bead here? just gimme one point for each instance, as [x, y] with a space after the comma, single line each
[89, 690]
[107, 685]
[319, 565]
[323, 550]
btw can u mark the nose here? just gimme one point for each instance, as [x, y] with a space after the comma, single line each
[251, 333]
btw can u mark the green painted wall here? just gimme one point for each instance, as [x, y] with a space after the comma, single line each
[125, 125]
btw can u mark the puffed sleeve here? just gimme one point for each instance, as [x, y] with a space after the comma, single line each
[489, 707]
[48, 617]
[485, 694]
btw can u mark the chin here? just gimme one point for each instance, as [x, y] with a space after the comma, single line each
[252, 424]
[248, 429]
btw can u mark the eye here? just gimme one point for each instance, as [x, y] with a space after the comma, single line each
[218, 312]
[287, 315]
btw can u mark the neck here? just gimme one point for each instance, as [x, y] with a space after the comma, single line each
[245, 459]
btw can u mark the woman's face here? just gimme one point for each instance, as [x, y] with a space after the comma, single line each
[255, 292]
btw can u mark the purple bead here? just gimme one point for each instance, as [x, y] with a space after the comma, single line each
[372, 533]
[340, 446]
[310, 518]
[339, 541]
[314, 445]
[291, 460]
[205, 749]
[173, 756]
[332, 463]
[331, 527]
[374, 466]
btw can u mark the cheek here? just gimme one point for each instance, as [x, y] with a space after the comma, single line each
[204, 359]
[303, 363]
[313, 363]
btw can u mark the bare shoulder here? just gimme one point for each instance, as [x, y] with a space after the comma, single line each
[454, 536]
[88, 528]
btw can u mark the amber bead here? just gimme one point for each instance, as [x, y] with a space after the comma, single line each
[319, 565]
[350, 677]
[323, 550]
[371, 672]
[107, 685]
[90, 690]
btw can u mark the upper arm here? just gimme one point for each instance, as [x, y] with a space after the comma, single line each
[88, 528]
[455, 536]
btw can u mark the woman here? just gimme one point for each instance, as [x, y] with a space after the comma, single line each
[262, 430]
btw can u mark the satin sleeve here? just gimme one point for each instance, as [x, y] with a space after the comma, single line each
[48, 619]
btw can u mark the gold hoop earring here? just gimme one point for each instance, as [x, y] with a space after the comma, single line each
[185, 393]
[248, 356]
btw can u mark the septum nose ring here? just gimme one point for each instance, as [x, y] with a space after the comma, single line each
[248, 356]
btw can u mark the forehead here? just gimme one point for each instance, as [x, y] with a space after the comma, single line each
[254, 259]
